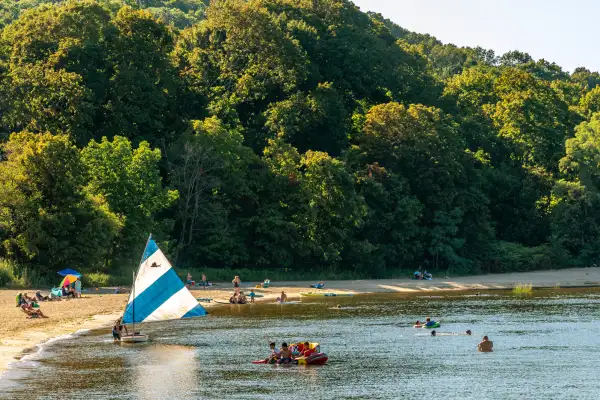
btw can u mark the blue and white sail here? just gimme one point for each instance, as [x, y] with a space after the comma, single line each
[158, 293]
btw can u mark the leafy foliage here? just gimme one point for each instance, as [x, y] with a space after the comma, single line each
[271, 135]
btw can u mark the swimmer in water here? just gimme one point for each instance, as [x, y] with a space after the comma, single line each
[486, 345]
[432, 333]
[468, 332]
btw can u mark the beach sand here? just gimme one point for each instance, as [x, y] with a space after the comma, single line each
[99, 309]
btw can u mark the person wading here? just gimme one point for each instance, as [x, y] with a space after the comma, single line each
[486, 345]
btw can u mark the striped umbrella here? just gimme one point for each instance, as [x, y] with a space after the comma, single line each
[68, 280]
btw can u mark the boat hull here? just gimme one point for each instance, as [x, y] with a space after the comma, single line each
[137, 338]
[314, 359]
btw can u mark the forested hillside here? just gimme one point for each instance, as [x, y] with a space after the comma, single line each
[295, 134]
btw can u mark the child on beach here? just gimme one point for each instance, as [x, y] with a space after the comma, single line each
[251, 295]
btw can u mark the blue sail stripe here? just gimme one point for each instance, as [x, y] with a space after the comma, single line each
[153, 297]
[150, 249]
[197, 311]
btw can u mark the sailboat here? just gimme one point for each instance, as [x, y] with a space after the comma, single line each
[157, 294]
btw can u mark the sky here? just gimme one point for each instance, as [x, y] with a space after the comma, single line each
[564, 32]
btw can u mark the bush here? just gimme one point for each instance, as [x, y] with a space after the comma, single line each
[7, 273]
[513, 257]
[100, 279]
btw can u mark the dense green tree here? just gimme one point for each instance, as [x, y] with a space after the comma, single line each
[48, 221]
[129, 180]
[294, 134]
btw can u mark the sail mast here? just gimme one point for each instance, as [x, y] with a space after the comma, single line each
[133, 285]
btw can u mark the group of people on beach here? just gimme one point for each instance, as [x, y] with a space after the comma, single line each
[240, 298]
[287, 354]
[189, 282]
[30, 306]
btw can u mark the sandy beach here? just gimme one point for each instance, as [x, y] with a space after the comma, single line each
[100, 308]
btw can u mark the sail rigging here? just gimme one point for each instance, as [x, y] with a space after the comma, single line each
[159, 293]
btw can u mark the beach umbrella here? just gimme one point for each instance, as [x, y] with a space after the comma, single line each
[68, 280]
[68, 271]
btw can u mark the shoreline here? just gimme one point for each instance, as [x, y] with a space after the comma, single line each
[96, 310]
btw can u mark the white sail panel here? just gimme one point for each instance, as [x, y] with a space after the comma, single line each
[159, 294]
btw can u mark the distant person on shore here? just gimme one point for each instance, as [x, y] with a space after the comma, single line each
[236, 284]
[252, 295]
[78, 288]
[486, 345]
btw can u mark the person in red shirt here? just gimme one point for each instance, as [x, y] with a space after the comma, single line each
[307, 350]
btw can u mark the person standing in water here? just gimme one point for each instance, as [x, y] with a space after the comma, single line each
[117, 329]
[283, 297]
[486, 345]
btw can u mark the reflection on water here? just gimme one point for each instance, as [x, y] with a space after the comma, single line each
[546, 347]
[162, 367]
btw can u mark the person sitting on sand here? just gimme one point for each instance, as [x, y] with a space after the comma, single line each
[233, 299]
[486, 345]
[31, 312]
[429, 322]
[20, 299]
[118, 328]
[188, 281]
[39, 297]
[285, 355]
[241, 298]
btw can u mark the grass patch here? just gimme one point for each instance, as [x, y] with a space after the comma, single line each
[522, 288]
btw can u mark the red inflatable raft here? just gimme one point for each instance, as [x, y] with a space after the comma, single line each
[313, 359]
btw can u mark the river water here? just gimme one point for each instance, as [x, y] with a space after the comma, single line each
[546, 346]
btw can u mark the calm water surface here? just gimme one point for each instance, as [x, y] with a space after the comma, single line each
[547, 346]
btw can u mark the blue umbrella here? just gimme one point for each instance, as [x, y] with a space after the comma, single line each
[68, 271]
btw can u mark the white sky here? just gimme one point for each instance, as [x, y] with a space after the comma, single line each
[565, 32]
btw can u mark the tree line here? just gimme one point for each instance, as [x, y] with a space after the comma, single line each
[286, 134]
